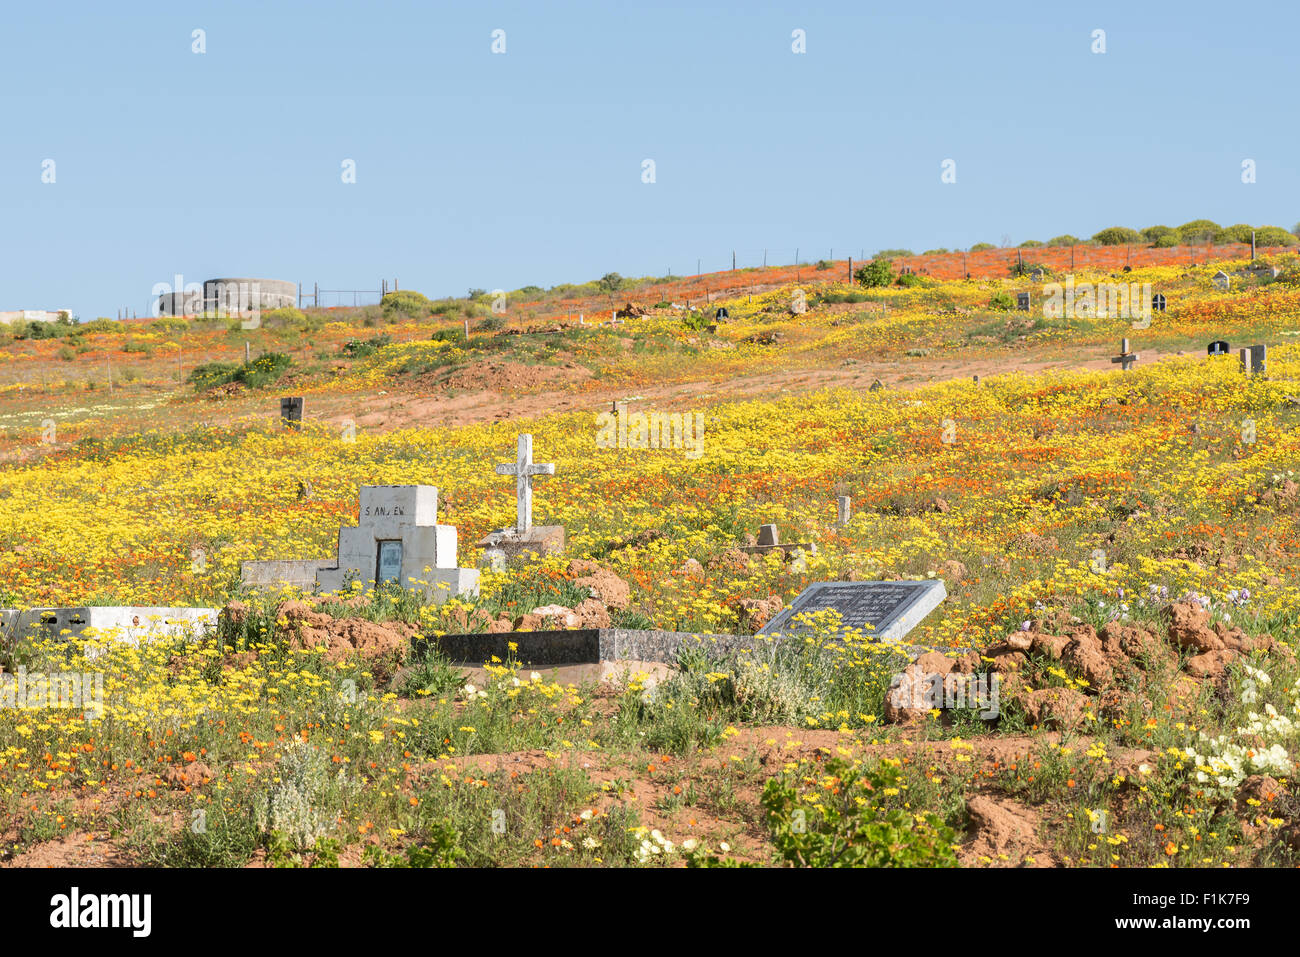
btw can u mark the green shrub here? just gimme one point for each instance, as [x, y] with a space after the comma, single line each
[1002, 300]
[296, 806]
[942, 250]
[894, 253]
[104, 325]
[1117, 236]
[360, 348]
[1023, 268]
[1236, 233]
[1152, 233]
[1167, 241]
[696, 321]
[286, 316]
[255, 374]
[1273, 236]
[980, 247]
[407, 302]
[874, 274]
[859, 820]
[909, 279]
[1030, 244]
[441, 849]
[1198, 230]
[166, 324]
[1063, 240]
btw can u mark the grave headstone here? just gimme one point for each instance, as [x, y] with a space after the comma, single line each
[1125, 358]
[721, 314]
[526, 537]
[1158, 302]
[769, 540]
[883, 611]
[1037, 275]
[1222, 280]
[126, 624]
[1022, 301]
[397, 539]
[842, 510]
[1218, 347]
[1254, 359]
[291, 411]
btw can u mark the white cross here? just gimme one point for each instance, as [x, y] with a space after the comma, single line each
[523, 470]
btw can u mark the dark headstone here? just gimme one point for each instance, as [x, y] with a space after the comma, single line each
[1158, 302]
[891, 609]
[1217, 348]
[1022, 301]
[1254, 360]
[291, 411]
[721, 314]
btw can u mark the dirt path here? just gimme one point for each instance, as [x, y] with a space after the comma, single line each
[397, 410]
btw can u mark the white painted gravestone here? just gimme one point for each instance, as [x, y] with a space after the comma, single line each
[525, 536]
[397, 538]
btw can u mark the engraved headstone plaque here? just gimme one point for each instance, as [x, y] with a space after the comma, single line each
[884, 611]
[389, 565]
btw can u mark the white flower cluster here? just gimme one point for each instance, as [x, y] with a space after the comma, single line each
[1257, 747]
[656, 844]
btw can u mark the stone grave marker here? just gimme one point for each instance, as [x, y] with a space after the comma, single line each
[721, 314]
[1158, 302]
[525, 536]
[1222, 280]
[769, 540]
[891, 609]
[1254, 360]
[396, 539]
[1125, 358]
[1022, 301]
[124, 623]
[1218, 347]
[291, 411]
[842, 510]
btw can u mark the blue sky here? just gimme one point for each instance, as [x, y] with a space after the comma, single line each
[476, 169]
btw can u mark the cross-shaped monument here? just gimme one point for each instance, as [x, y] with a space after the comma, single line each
[523, 470]
[524, 537]
[1125, 358]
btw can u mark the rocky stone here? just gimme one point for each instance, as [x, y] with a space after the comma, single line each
[1086, 657]
[1189, 627]
[690, 569]
[604, 584]
[1210, 664]
[754, 613]
[953, 570]
[1064, 709]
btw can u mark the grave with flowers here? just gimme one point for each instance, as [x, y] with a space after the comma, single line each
[396, 539]
[882, 611]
